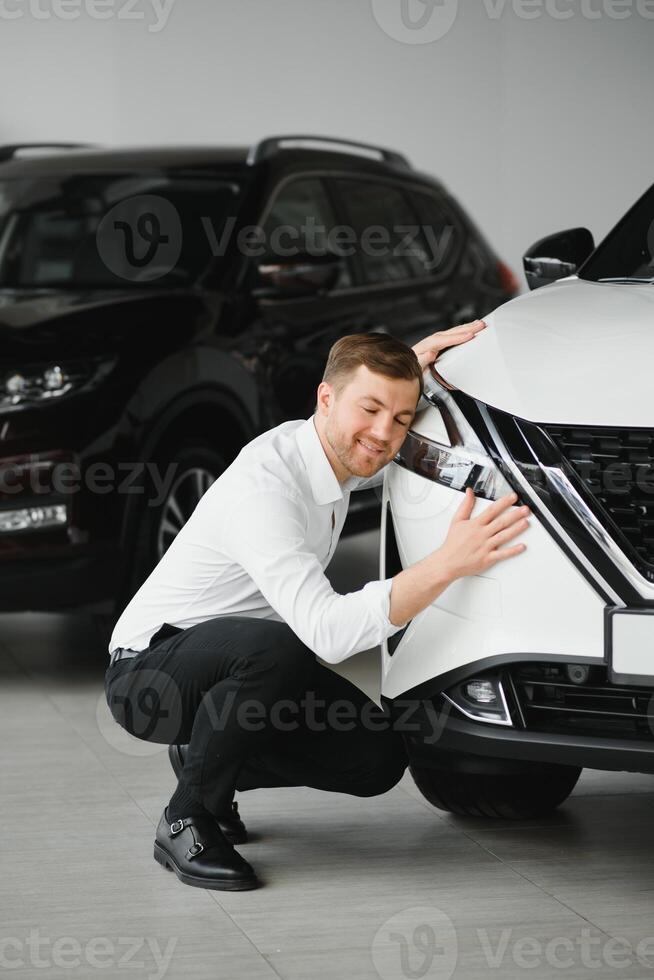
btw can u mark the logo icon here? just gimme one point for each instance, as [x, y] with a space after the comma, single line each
[417, 942]
[139, 714]
[140, 238]
[119, 738]
[415, 21]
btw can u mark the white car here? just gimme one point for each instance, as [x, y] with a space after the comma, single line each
[544, 664]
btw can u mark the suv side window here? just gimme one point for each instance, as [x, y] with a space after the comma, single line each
[300, 221]
[442, 235]
[386, 230]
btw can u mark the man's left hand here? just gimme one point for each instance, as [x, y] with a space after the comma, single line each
[428, 349]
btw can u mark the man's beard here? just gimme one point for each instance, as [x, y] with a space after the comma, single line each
[353, 457]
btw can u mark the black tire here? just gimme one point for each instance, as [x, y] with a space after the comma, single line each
[506, 796]
[149, 544]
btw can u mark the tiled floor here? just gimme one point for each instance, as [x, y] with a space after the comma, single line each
[353, 888]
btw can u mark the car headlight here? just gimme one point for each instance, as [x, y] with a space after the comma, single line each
[463, 461]
[39, 384]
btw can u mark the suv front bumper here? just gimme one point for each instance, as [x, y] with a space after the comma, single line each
[471, 746]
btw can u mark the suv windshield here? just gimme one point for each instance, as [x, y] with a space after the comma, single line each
[111, 230]
[627, 252]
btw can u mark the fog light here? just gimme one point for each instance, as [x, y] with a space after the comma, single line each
[481, 699]
[483, 692]
[33, 518]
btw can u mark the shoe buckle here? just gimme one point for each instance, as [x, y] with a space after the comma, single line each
[194, 850]
[176, 827]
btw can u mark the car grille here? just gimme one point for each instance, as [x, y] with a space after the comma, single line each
[617, 467]
[551, 703]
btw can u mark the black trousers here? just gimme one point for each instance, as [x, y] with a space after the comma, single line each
[257, 709]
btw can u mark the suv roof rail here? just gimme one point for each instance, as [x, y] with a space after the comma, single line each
[266, 148]
[10, 150]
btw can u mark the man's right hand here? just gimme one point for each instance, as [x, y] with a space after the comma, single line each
[474, 545]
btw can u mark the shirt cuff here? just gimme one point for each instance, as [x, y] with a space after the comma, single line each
[378, 597]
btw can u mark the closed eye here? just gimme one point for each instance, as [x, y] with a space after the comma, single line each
[373, 411]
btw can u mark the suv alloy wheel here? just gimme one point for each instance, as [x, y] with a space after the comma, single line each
[197, 465]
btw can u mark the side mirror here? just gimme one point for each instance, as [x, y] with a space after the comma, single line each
[296, 277]
[557, 256]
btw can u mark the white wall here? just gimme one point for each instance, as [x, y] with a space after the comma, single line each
[535, 124]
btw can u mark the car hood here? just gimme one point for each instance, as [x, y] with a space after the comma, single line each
[575, 353]
[38, 323]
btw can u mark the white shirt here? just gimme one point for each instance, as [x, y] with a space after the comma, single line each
[257, 544]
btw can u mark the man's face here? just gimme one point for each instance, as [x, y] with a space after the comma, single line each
[366, 423]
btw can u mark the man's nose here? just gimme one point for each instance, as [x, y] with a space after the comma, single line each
[382, 429]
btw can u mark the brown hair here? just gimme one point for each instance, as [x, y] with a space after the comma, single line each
[379, 352]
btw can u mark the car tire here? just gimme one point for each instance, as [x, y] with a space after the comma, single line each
[507, 796]
[196, 466]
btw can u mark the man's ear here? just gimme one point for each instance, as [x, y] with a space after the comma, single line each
[325, 398]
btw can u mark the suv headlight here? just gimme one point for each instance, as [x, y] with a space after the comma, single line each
[463, 461]
[38, 384]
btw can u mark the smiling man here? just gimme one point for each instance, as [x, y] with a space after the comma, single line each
[219, 647]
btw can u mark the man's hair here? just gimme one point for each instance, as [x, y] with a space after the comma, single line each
[379, 352]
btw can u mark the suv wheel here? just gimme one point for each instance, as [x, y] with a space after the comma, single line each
[505, 796]
[186, 491]
[197, 466]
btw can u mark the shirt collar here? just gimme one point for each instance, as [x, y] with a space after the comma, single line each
[324, 483]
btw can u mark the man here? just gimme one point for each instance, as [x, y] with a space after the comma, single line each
[219, 646]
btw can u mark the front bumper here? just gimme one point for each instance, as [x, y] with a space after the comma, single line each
[483, 748]
[555, 714]
[75, 562]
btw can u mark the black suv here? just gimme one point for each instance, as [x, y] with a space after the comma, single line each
[159, 307]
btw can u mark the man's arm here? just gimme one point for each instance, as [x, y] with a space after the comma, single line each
[265, 534]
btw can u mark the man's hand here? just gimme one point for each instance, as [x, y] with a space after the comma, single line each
[473, 545]
[428, 349]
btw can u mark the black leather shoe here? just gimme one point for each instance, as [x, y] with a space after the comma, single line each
[229, 822]
[196, 849]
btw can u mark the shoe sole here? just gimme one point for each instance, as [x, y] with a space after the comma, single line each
[167, 862]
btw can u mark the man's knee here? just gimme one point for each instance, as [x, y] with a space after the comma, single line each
[148, 704]
[382, 770]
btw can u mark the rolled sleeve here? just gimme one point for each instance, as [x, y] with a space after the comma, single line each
[265, 534]
[378, 597]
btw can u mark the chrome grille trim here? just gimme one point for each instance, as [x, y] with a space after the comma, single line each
[530, 496]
